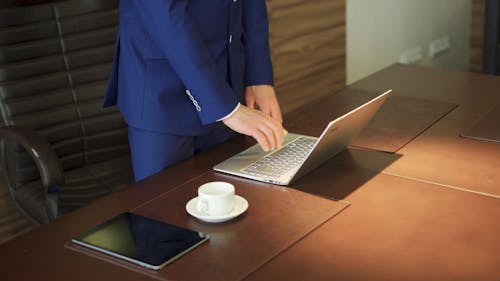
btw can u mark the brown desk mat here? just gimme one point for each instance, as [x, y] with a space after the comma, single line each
[277, 217]
[400, 120]
[487, 128]
[397, 229]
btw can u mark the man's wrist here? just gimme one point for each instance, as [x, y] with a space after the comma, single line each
[231, 113]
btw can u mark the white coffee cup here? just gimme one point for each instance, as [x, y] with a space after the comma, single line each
[215, 198]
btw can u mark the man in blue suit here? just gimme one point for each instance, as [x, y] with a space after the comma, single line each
[182, 72]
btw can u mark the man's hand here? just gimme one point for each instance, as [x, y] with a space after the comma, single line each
[267, 131]
[264, 98]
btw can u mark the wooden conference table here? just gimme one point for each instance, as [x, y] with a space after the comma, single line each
[430, 211]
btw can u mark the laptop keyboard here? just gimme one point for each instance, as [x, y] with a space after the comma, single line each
[281, 161]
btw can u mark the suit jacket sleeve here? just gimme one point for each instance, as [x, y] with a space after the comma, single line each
[259, 69]
[179, 38]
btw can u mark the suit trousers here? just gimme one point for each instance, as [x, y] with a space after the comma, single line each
[152, 152]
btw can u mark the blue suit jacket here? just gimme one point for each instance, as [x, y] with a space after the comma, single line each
[180, 65]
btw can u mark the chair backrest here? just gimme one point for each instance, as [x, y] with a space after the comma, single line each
[54, 64]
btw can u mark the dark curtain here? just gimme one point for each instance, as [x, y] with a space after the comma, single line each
[492, 38]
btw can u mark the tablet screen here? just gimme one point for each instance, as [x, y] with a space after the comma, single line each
[141, 240]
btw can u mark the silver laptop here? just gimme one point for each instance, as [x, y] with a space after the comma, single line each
[300, 154]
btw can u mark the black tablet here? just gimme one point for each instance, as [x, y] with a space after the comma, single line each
[141, 240]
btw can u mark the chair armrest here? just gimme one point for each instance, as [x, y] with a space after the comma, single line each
[40, 150]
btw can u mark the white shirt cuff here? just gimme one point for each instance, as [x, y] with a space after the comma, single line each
[230, 114]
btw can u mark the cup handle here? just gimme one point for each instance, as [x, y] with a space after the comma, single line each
[202, 206]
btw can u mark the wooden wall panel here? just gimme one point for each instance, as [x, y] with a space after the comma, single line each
[477, 35]
[308, 49]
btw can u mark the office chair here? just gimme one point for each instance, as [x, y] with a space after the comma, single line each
[61, 149]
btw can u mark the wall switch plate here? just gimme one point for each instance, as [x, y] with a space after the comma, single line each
[412, 56]
[439, 46]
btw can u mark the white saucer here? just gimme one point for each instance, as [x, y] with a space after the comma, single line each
[240, 206]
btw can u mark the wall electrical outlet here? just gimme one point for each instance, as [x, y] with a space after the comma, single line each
[439, 46]
[412, 56]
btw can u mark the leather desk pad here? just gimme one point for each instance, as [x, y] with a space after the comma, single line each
[399, 120]
[277, 217]
[487, 128]
[397, 229]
